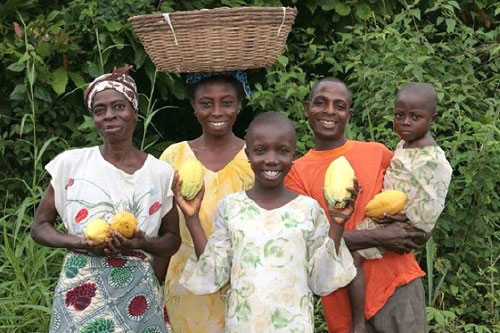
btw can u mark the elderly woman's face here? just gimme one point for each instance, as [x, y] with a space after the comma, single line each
[113, 115]
[216, 106]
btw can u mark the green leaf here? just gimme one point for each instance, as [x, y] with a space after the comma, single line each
[88, 123]
[283, 60]
[139, 58]
[439, 318]
[77, 79]
[52, 15]
[415, 13]
[16, 67]
[363, 11]
[422, 59]
[43, 49]
[31, 73]
[113, 26]
[42, 94]
[328, 5]
[450, 25]
[342, 9]
[454, 4]
[59, 80]
[418, 71]
[19, 92]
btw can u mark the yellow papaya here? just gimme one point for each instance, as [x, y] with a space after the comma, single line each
[125, 223]
[338, 178]
[191, 174]
[388, 202]
[97, 231]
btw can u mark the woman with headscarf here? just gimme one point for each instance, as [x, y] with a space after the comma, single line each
[109, 287]
[216, 99]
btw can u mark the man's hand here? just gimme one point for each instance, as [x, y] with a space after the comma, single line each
[399, 237]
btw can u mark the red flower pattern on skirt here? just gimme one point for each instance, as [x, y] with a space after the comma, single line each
[115, 262]
[80, 297]
[154, 208]
[81, 215]
[137, 307]
[136, 254]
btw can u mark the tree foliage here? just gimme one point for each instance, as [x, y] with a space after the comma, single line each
[49, 50]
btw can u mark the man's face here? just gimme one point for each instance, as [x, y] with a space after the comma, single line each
[329, 111]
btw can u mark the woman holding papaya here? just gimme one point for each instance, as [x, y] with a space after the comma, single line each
[216, 99]
[109, 286]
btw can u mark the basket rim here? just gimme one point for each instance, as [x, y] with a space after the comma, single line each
[175, 30]
[218, 16]
[221, 10]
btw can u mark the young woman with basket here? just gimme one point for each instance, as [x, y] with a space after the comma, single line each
[216, 100]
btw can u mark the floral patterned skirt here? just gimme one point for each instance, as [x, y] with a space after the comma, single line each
[101, 294]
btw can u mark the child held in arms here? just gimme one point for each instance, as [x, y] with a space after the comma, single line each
[275, 247]
[419, 168]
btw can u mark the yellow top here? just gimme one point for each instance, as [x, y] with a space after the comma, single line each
[188, 312]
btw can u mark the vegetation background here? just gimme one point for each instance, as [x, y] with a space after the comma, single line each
[49, 50]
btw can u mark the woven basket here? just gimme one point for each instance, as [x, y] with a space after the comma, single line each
[213, 40]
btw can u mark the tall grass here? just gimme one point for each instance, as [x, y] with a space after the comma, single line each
[28, 271]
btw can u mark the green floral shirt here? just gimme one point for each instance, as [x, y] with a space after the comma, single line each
[424, 174]
[274, 259]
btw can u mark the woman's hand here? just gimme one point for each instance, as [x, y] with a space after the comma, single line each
[120, 244]
[92, 247]
[190, 208]
[341, 215]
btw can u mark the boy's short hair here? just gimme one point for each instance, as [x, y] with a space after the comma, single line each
[423, 90]
[328, 79]
[271, 119]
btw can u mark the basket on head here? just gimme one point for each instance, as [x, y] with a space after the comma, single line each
[215, 40]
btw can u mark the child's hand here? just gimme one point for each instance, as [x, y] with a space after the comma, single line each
[190, 208]
[341, 215]
[120, 244]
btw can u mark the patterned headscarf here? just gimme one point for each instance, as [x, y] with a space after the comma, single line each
[240, 76]
[117, 80]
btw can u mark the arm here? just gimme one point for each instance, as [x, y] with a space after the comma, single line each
[396, 237]
[356, 290]
[44, 232]
[197, 233]
[330, 264]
